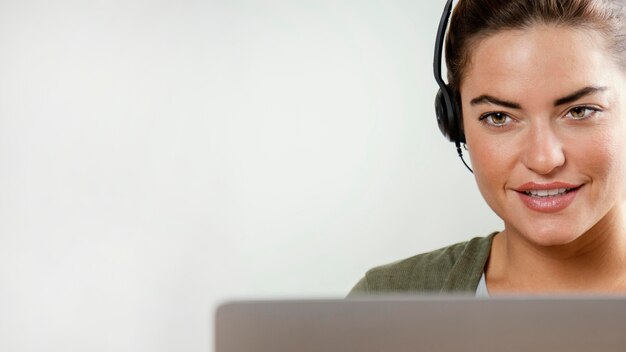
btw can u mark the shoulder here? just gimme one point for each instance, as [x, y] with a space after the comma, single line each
[454, 268]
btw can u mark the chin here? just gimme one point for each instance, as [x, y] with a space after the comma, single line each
[553, 240]
[548, 235]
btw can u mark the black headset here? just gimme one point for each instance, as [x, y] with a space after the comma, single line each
[446, 108]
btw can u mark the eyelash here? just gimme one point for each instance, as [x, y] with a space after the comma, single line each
[485, 119]
[590, 111]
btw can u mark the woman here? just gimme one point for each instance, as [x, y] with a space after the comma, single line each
[540, 86]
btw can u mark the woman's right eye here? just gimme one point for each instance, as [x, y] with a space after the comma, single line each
[496, 119]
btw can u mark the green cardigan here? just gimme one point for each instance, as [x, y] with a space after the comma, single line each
[453, 269]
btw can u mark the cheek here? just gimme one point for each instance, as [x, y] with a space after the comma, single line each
[493, 160]
[604, 159]
[490, 154]
[601, 156]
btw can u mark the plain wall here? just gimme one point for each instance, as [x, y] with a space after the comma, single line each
[160, 157]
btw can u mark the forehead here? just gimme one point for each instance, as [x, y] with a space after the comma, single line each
[542, 60]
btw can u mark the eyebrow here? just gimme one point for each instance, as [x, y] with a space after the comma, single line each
[578, 94]
[488, 99]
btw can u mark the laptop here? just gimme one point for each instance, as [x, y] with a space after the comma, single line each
[430, 324]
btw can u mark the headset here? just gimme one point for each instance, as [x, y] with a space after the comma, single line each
[446, 108]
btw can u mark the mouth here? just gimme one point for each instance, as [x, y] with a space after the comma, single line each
[547, 193]
[548, 198]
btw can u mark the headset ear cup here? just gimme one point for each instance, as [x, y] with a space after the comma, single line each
[448, 117]
[458, 120]
[442, 114]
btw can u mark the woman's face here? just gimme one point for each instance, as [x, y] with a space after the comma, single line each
[545, 121]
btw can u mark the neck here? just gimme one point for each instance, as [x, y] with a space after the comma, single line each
[594, 262]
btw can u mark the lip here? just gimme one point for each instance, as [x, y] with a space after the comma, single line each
[551, 204]
[543, 186]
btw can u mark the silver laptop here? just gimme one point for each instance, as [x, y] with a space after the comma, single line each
[423, 324]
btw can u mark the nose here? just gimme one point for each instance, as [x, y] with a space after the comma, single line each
[543, 151]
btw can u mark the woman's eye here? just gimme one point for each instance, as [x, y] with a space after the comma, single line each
[581, 112]
[497, 119]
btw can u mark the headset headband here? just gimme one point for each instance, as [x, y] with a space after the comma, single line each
[441, 33]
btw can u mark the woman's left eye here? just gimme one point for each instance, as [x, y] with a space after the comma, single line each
[581, 112]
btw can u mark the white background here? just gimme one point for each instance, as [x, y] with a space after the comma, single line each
[160, 157]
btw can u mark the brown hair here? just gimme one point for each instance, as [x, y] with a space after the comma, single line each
[476, 19]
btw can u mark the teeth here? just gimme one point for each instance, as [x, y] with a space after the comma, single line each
[546, 192]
